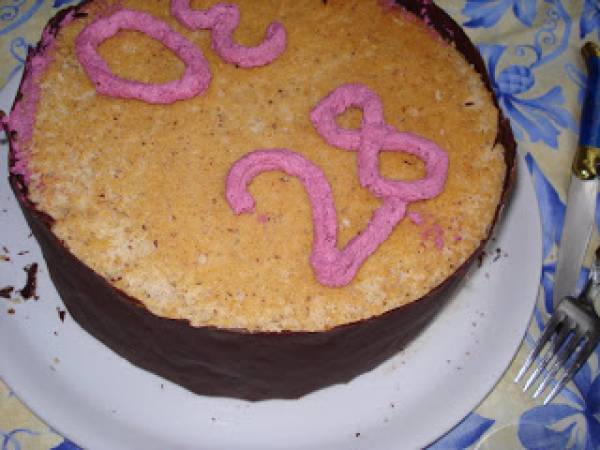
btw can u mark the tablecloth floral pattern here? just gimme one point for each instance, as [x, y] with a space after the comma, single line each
[531, 49]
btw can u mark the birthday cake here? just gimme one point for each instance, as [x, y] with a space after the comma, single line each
[257, 199]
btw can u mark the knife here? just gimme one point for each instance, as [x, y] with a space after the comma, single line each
[581, 196]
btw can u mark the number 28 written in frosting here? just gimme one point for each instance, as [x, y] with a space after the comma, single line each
[334, 267]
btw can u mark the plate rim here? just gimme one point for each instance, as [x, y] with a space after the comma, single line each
[521, 179]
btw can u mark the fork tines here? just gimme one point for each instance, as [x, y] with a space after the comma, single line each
[566, 343]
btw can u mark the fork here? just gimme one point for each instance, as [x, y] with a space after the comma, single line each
[568, 340]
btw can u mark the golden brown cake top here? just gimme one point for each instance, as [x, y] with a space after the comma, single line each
[138, 190]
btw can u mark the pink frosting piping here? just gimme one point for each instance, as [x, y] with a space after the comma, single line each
[374, 136]
[195, 79]
[333, 267]
[22, 117]
[222, 19]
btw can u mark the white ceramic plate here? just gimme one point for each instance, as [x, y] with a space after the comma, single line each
[101, 401]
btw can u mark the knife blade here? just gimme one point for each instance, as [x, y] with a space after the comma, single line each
[583, 187]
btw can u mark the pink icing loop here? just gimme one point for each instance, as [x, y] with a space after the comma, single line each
[222, 19]
[195, 79]
[337, 102]
[374, 136]
[273, 45]
[436, 165]
[332, 267]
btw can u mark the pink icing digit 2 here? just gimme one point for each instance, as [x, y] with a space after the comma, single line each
[194, 81]
[332, 267]
[222, 19]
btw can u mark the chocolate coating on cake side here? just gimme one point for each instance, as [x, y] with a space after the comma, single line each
[238, 363]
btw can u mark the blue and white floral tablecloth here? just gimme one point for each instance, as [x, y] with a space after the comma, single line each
[531, 48]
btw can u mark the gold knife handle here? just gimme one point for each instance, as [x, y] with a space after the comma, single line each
[585, 164]
[587, 159]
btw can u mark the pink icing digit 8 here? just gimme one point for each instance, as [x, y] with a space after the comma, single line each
[375, 136]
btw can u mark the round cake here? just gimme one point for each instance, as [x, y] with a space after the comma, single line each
[257, 199]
